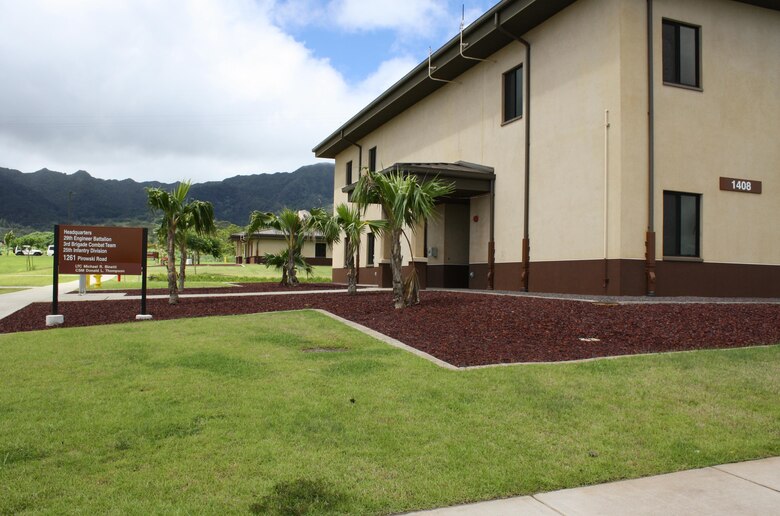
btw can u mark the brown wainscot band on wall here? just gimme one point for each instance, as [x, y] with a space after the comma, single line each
[624, 278]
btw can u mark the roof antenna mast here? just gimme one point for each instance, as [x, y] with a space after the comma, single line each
[462, 44]
[432, 68]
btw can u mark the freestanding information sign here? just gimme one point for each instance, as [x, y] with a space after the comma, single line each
[98, 250]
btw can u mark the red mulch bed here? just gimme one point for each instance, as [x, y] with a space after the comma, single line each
[473, 329]
[238, 288]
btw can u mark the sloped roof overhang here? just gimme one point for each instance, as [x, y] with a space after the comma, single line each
[484, 39]
[468, 179]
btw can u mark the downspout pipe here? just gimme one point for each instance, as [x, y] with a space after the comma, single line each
[360, 167]
[492, 242]
[650, 234]
[527, 115]
[360, 151]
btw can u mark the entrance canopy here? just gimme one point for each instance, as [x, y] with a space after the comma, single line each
[468, 179]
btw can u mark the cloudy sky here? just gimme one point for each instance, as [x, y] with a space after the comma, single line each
[199, 89]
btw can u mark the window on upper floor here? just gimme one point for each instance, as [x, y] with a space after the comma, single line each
[681, 54]
[513, 94]
[681, 224]
[349, 172]
[372, 159]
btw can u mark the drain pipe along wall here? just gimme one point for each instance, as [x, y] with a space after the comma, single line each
[650, 234]
[527, 114]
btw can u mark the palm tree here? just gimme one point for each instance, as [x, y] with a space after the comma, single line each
[406, 202]
[296, 227]
[8, 239]
[353, 226]
[178, 215]
[279, 261]
[193, 222]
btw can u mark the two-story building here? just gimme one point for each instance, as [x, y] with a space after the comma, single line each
[622, 147]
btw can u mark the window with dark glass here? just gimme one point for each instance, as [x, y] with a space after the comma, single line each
[682, 54]
[349, 172]
[372, 159]
[370, 253]
[681, 224]
[320, 250]
[513, 94]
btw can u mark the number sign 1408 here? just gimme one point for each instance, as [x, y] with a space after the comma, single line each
[732, 184]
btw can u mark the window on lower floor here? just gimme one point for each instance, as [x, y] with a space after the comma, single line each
[513, 94]
[681, 54]
[681, 224]
[320, 250]
[370, 251]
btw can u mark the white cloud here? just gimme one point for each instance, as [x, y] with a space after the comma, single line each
[386, 75]
[147, 89]
[202, 89]
[400, 15]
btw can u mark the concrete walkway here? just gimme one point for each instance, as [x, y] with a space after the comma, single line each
[744, 488]
[13, 301]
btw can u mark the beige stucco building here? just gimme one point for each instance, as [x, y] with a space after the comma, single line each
[621, 147]
[252, 249]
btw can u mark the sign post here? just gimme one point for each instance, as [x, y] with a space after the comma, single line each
[55, 319]
[98, 250]
[143, 315]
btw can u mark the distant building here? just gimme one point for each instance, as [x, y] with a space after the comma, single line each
[253, 249]
[624, 147]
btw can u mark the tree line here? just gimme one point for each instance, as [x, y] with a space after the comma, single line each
[405, 202]
[188, 226]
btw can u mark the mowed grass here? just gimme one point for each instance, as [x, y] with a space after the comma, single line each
[286, 412]
[14, 273]
[208, 276]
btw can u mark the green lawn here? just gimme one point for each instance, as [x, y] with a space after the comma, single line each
[14, 273]
[207, 276]
[232, 414]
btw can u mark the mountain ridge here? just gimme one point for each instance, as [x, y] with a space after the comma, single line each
[38, 200]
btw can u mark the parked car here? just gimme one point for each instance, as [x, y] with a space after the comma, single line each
[26, 250]
[50, 250]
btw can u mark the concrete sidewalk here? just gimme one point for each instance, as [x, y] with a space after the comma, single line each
[13, 301]
[744, 488]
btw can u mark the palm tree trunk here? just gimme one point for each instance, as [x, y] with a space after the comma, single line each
[182, 265]
[412, 281]
[292, 278]
[395, 265]
[173, 294]
[351, 275]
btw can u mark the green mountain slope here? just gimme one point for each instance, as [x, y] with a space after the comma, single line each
[41, 199]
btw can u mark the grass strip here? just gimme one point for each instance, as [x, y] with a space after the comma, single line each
[293, 412]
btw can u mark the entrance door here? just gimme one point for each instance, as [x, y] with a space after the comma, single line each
[448, 246]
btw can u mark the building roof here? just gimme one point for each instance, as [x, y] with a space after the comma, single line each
[268, 233]
[468, 179]
[484, 37]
